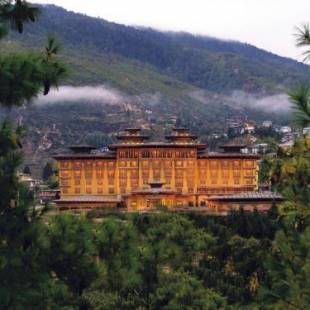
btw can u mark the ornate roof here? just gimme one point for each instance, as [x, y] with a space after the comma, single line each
[249, 196]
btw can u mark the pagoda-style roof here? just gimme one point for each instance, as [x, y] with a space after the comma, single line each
[181, 135]
[232, 148]
[158, 145]
[228, 155]
[133, 138]
[132, 135]
[84, 151]
[83, 148]
[104, 155]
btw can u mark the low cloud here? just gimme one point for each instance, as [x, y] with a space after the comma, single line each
[276, 103]
[99, 94]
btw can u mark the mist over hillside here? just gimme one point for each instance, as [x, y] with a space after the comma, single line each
[124, 76]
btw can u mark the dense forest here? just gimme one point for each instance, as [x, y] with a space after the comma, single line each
[205, 62]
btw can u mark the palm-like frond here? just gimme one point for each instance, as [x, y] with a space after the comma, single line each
[300, 98]
[303, 39]
[18, 13]
[53, 47]
[303, 35]
[53, 70]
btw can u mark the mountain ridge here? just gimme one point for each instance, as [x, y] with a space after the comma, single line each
[204, 62]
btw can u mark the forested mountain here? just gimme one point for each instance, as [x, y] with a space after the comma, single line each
[164, 78]
[205, 62]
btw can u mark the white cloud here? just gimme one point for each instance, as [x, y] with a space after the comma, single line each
[278, 103]
[88, 94]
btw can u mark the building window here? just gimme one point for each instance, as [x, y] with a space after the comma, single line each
[133, 164]
[168, 164]
[156, 163]
[225, 164]
[64, 174]
[77, 165]
[123, 182]
[249, 164]
[64, 164]
[190, 164]
[88, 174]
[156, 174]
[236, 173]
[134, 174]
[122, 174]
[179, 173]
[213, 164]
[213, 173]
[99, 174]
[236, 181]
[133, 205]
[111, 190]
[179, 163]
[236, 164]
[202, 163]
[167, 154]
[225, 173]
[249, 173]
[145, 154]
[179, 183]
[77, 173]
[88, 190]
[77, 190]
[111, 173]
[99, 164]
[99, 190]
[65, 190]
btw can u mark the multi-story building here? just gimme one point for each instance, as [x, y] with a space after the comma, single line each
[139, 175]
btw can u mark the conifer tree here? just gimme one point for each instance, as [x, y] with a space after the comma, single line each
[300, 97]
[25, 283]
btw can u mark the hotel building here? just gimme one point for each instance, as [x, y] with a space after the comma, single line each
[138, 175]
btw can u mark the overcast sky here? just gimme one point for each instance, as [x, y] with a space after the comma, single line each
[268, 24]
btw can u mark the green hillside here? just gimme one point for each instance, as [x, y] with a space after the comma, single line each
[208, 63]
[165, 78]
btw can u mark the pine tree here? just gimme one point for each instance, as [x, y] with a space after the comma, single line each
[25, 282]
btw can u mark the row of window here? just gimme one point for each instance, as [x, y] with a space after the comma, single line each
[89, 164]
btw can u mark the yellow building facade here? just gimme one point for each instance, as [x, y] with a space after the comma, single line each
[139, 175]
